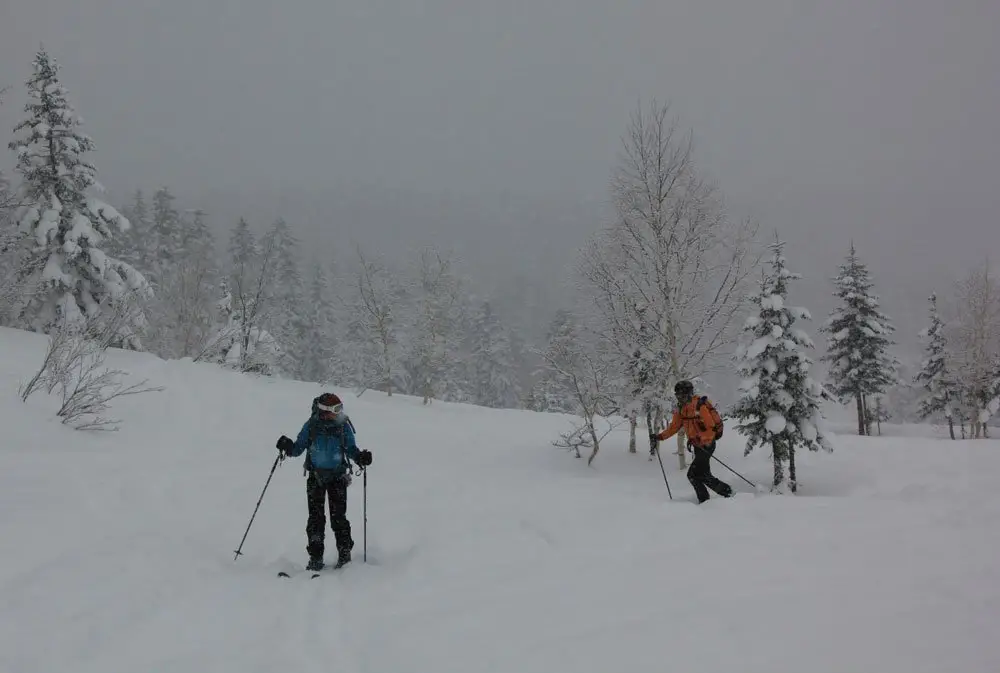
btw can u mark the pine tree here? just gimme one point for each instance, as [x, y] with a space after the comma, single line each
[134, 245]
[434, 345]
[241, 340]
[14, 256]
[188, 289]
[552, 392]
[779, 403]
[319, 337]
[166, 236]
[940, 388]
[377, 318]
[77, 281]
[492, 368]
[242, 249]
[858, 342]
[288, 321]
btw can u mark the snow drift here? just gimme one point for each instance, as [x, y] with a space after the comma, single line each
[489, 549]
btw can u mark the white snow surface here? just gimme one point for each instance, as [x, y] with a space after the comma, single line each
[489, 549]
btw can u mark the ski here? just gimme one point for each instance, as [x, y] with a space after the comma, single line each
[328, 569]
[314, 573]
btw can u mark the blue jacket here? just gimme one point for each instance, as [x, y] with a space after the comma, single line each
[332, 445]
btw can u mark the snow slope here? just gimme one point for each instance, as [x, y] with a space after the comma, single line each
[490, 550]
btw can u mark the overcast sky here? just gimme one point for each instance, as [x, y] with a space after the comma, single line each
[872, 119]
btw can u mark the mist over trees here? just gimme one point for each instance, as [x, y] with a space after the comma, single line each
[662, 291]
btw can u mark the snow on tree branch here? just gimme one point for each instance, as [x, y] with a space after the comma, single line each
[74, 364]
[71, 277]
[858, 343]
[670, 276]
[589, 374]
[780, 402]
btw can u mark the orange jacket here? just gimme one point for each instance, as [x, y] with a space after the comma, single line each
[699, 423]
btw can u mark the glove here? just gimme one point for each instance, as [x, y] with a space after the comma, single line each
[364, 458]
[653, 438]
[284, 444]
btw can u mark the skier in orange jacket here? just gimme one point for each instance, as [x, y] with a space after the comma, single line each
[703, 426]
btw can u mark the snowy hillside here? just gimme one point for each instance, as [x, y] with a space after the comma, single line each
[489, 549]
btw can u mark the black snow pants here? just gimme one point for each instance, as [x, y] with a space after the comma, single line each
[700, 474]
[320, 488]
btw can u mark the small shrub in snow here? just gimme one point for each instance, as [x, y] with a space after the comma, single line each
[74, 365]
[588, 373]
[780, 402]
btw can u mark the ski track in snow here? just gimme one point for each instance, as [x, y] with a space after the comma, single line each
[489, 549]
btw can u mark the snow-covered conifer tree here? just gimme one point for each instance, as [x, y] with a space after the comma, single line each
[165, 237]
[940, 389]
[14, 249]
[378, 308]
[241, 340]
[75, 279]
[188, 292]
[552, 391]
[780, 402]
[860, 364]
[435, 342]
[134, 245]
[288, 320]
[491, 365]
[319, 337]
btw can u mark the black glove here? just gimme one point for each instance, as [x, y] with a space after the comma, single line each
[653, 438]
[284, 444]
[364, 458]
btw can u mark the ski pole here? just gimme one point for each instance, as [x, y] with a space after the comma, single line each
[276, 461]
[736, 473]
[364, 482]
[663, 470]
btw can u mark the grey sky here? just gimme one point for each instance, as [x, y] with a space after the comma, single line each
[876, 119]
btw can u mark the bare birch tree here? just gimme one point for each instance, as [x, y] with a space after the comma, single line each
[242, 342]
[589, 374]
[976, 341]
[435, 339]
[379, 299]
[670, 275]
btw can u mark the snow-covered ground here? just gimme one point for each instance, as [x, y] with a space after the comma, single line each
[489, 549]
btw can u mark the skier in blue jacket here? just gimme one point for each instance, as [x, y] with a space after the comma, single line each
[328, 439]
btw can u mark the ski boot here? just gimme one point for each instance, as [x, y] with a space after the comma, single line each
[315, 563]
[343, 558]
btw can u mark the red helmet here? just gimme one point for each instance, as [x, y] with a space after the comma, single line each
[328, 405]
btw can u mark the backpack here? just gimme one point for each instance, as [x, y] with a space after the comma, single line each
[307, 466]
[715, 416]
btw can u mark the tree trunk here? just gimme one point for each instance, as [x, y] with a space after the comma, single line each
[593, 436]
[428, 390]
[388, 367]
[861, 414]
[792, 483]
[878, 415]
[633, 420]
[675, 370]
[951, 428]
[779, 472]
